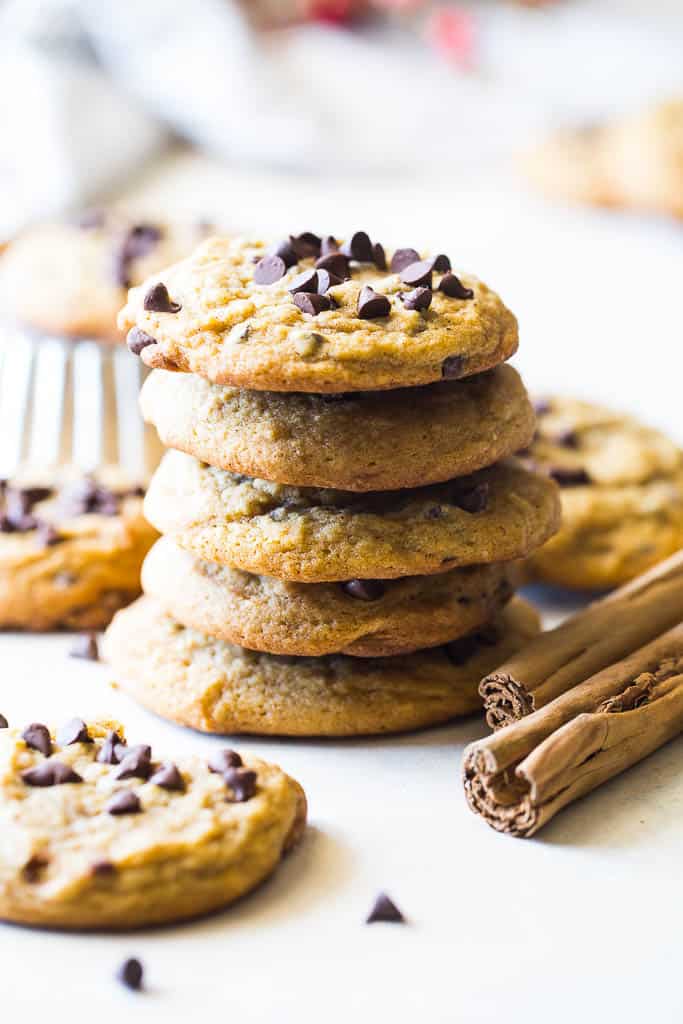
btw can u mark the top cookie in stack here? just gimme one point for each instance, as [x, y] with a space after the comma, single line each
[370, 512]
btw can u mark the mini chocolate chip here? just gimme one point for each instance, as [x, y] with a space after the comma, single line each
[326, 280]
[50, 773]
[157, 300]
[4, 724]
[542, 406]
[371, 304]
[37, 737]
[137, 763]
[419, 298]
[130, 972]
[311, 303]
[473, 499]
[328, 245]
[453, 287]
[359, 248]
[75, 731]
[441, 263]
[335, 263]
[306, 282]
[384, 909]
[305, 245]
[168, 777]
[269, 270]
[379, 257]
[224, 760]
[403, 258]
[566, 477]
[138, 339]
[47, 536]
[107, 754]
[567, 439]
[452, 367]
[285, 251]
[364, 590]
[102, 869]
[124, 802]
[418, 274]
[242, 782]
[86, 648]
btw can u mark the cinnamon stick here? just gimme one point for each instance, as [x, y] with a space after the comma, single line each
[518, 778]
[603, 633]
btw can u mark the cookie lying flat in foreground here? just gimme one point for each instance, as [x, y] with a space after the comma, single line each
[97, 834]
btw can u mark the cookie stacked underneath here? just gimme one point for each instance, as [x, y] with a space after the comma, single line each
[340, 514]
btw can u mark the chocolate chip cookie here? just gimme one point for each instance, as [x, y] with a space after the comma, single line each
[365, 618]
[313, 535]
[359, 441]
[314, 314]
[70, 550]
[621, 486]
[72, 278]
[214, 686]
[100, 834]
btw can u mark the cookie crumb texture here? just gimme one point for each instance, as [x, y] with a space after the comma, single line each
[70, 859]
[621, 487]
[359, 441]
[244, 321]
[313, 535]
[216, 687]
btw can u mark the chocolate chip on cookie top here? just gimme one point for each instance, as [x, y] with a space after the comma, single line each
[381, 322]
[20, 511]
[137, 241]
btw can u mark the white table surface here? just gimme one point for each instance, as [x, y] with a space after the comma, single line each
[582, 923]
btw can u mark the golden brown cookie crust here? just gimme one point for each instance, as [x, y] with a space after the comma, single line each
[314, 535]
[216, 687]
[621, 492]
[235, 331]
[185, 854]
[362, 441]
[79, 581]
[280, 617]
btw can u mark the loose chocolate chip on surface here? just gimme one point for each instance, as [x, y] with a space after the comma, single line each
[242, 782]
[37, 737]
[137, 340]
[50, 773]
[4, 724]
[328, 245]
[326, 280]
[305, 245]
[472, 499]
[384, 909]
[224, 760]
[75, 731]
[419, 298]
[403, 258]
[136, 763]
[107, 754]
[130, 974]
[364, 590]
[312, 303]
[269, 270]
[285, 251]
[371, 304]
[418, 274]
[306, 282]
[125, 802]
[566, 477]
[452, 367]
[453, 287]
[359, 248]
[379, 257]
[85, 647]
[335, 263]
[441, 263]
[157, 300]
[168, 777]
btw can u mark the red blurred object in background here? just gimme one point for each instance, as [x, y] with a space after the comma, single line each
[452, 32]
[335, 12]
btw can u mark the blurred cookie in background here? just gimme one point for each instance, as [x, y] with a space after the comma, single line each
[71, 278]
[621, 488]
[635, 162]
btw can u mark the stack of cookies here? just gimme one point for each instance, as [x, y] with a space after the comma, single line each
[340, 516]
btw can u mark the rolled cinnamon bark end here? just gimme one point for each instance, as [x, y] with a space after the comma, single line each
[596, 637]
[520, 777]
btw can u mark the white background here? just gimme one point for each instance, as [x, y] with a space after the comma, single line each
[582, 923]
